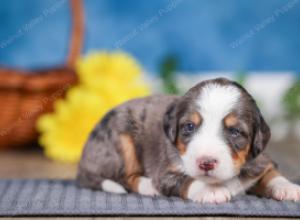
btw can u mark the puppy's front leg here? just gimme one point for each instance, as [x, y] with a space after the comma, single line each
[274, 185]
[204, 193]
[270, 183]
[133, 173]
[181, 185]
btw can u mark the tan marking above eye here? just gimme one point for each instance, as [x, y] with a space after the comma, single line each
[230, 120]
[195, 118]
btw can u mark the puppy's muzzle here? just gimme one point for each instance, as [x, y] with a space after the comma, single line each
[207, 163]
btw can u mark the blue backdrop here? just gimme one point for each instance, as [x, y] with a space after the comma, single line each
[204, 35]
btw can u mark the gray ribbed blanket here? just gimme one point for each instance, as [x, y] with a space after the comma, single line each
[63, 198]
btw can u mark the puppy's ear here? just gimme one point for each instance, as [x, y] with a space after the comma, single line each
[261, 135]
[170, 121]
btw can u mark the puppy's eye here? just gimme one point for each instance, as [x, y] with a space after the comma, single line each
[189, 128]
[234, 132]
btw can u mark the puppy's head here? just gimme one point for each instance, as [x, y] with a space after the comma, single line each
[216, 127]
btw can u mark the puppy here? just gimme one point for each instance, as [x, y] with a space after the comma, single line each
[206, 146]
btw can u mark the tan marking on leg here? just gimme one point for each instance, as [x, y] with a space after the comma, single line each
[266, 177]
[230, 120]
[132, 169]
[261, 186]
[185, 188]
[133, 181]
[272, 173]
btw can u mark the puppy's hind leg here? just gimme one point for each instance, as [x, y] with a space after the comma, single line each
[94, 181]
[101, 165]
[133, 175]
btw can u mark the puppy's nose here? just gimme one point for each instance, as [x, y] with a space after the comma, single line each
[207, 163]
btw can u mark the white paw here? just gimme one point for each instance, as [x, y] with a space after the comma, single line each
[210, 194]
[146, 187]
[213, 194]
[112, 187]
[280, 188]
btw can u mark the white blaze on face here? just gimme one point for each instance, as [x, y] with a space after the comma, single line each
[215, 102]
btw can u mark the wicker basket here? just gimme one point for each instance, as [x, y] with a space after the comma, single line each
[25, 95]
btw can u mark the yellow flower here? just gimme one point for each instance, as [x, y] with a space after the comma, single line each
[106, 80]
[97, 69]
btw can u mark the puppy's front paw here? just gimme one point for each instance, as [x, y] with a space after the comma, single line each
[211, 194]
[146, 187]
[280, 188]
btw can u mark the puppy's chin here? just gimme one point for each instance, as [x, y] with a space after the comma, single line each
[214, 178]
[210, 179]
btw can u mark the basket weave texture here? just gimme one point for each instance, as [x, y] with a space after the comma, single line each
[26, 94]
